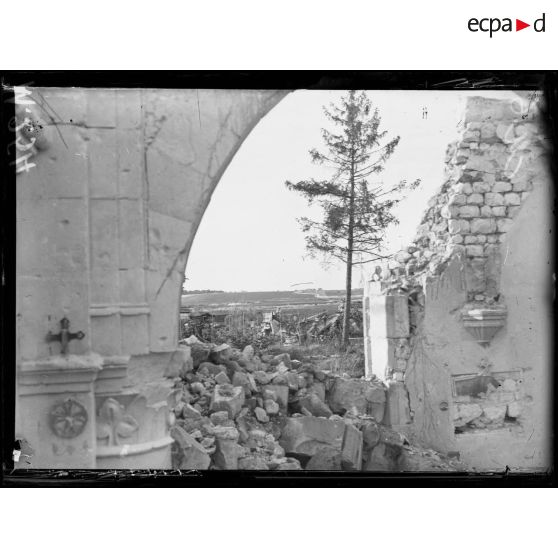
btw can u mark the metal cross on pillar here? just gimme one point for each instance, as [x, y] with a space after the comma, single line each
[64, 337]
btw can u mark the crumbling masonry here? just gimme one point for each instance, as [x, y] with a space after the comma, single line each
[458, 323]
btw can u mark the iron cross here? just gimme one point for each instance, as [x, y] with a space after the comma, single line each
[64, 337]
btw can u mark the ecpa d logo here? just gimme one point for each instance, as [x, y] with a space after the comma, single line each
[494, 24]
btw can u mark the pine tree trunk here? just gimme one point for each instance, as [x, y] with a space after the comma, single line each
[349, 276]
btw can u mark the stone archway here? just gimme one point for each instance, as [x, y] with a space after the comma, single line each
[113, 186]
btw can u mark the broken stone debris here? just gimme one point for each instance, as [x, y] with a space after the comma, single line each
[248, 409]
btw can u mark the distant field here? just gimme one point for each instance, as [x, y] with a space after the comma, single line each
[266, 300]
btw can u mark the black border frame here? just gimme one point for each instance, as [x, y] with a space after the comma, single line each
[286, 80]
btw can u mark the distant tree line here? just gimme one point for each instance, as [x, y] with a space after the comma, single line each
[204, 291]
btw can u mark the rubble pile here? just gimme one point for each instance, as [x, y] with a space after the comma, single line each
[242, 409]
[501, 402]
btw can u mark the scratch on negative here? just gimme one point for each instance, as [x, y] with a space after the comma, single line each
[199, 113]
[50, 116]
[507, 252]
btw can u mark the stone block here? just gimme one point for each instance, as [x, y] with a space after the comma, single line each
[370, 436]
[454, 226]
[271, 407]
[129, 144]
[130, 234]
[106, 334]
[281, 395]
[261, 415]
[135, 334]
[475, 199]
[457, 199]
[351, 450]
[104, 254]
[486, 211]
[483, 226]
[222, 378]
[228, 398]
[242, 379]
[189, 412]
[131, 283]
[397, 316]
[512, 199]
[354, 395]
[389, 316]
[51, 238]
[499, 211]
[481, 187]
[219, 418]
[58, 387]
[306, 435]
[501, 187]
[103, 163]
[325, 459]
[189, 452]
[492, 199]
[315, 406]
[227, 449]
[469, 211]
[262, 377]
[179, 364]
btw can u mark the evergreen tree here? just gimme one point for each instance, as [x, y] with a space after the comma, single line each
[355, 212]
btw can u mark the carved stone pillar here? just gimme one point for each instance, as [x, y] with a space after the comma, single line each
[57, 411]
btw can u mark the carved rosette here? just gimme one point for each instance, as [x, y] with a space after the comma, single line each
[484, 322]
[68, 418]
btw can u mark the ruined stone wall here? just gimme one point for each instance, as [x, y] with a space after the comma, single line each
[477, 278]
[490, 171]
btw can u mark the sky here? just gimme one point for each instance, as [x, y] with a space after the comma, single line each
[249, 239]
